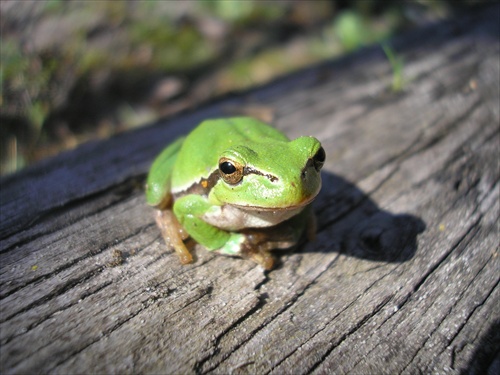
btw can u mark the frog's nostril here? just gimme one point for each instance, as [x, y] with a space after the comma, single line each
[307, 169]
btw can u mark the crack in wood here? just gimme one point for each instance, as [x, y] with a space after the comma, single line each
[349, 333]
[57, 292]
[445, 317]
[52, 314]
[103, 247]
[464, 239]
[474, 309]
[105, 334]
[198, 366]
[253, 333]
[148, 303]
[333, 345]
[56, 213]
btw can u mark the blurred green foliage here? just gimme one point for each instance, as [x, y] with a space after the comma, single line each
[72, 71]
[397, 65]
[352, 30]
[242, 12]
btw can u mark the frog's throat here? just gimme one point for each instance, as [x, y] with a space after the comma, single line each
[299, 205]
[201, 187]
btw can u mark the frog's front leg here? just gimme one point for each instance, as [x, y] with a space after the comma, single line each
[189, 210]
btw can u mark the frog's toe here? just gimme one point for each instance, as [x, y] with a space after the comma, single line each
[264, 259]
[260, 256]
[185, 257]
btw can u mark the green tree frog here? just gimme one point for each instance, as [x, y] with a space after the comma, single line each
[238, 187]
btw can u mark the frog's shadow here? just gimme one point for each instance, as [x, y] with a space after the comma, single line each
[351, 223]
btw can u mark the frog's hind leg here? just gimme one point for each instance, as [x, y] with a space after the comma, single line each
[174, 234]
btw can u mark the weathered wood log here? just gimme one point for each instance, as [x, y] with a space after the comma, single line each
[402, 278]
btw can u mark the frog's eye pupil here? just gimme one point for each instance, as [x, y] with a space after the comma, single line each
[227, 167]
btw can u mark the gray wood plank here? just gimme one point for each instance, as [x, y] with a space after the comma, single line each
[402, 278]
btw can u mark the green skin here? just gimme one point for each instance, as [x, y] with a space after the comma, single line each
[238, 186]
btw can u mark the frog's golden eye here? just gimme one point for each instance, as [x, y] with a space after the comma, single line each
[319, 159]
[230, 171]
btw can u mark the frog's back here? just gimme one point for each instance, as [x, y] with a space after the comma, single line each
[236, 130]
[160, 174]
[200, 152]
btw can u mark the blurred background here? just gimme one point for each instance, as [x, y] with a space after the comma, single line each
[73, 71]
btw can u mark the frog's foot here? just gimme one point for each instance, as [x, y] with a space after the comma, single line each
[249, 246]
[174, 234]
[261, 257]
[257, 247]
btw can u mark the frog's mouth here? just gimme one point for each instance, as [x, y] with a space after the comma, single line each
[231, 216]
[291, 207]
[237, 217]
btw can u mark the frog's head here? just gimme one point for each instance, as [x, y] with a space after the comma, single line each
[270, 175]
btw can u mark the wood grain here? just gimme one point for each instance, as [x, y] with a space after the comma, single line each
[402, 278]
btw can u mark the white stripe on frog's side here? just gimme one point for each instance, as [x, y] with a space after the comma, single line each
[202, 186]
[233, 218]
